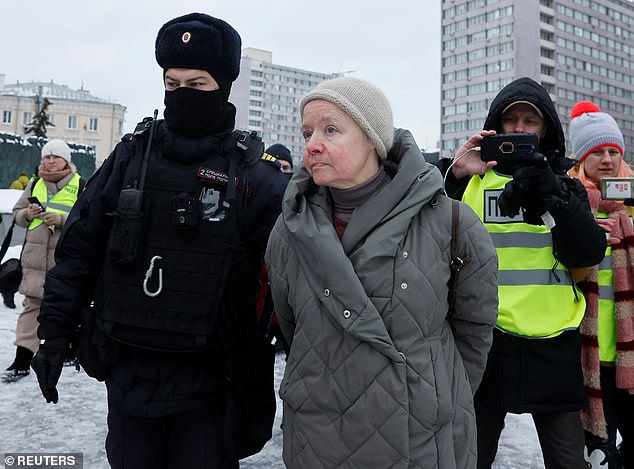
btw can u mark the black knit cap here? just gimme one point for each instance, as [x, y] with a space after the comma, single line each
[280, 152]
[201, 42]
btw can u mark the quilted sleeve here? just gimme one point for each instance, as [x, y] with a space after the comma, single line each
[476, 297]
[276, 264]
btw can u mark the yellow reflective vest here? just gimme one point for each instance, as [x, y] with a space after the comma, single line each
[61, 202]
[536, 293]
[607, 307]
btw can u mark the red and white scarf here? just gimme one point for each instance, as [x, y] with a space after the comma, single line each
[593, 417]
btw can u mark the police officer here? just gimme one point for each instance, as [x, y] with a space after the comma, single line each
[542, 229]
[167, 240]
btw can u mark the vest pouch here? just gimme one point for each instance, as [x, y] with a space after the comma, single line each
[97, 354]
[128, 231]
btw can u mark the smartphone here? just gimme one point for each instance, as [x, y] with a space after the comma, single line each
[34, 200]
[509, 148]
[617, 188]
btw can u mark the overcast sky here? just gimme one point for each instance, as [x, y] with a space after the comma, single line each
[108, 47]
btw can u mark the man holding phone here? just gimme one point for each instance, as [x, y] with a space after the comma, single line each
[541, 225]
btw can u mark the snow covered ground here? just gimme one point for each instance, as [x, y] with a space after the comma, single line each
[77, 424]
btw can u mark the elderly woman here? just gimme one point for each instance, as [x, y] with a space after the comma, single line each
[381, 370]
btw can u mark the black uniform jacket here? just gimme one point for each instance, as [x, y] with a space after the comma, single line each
[144, 383]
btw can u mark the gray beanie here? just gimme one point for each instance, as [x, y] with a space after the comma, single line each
[591, 129]
[56, 147]
[364, 102]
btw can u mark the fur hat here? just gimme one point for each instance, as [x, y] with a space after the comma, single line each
[200, 42]
[591, 129]
[280, 152]
[362, 101]
[56, 147]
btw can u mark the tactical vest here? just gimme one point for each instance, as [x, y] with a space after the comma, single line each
[168, 299]
[536, 293]
[61, 202]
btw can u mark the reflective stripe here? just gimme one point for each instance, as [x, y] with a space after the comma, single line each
[532, 277]
[606, 293]
[606, 262]
[521, 240]
[60, 207]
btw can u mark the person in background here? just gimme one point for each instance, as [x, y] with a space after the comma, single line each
[534, 363]
[283, 155]
[607, 354]
[174, 295]
[56, 188]
[21, 182]
[381, 370]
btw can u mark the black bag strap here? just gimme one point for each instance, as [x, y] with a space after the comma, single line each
[457, 263]
[7, 240]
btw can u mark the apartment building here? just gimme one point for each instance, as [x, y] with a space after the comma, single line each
[577, 49]
[76, 115]
[267, 98]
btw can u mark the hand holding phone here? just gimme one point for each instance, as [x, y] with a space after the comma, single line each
[35, 201]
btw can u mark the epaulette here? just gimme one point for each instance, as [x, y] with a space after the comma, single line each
[271, 160]
[140, 129]
[249, 144]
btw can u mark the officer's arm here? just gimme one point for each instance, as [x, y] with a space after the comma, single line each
[81, 249]
[577, 239]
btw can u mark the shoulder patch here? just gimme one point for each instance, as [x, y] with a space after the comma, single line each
[271, 160]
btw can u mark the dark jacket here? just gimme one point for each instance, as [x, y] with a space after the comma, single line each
[148, 383]
[541, 375]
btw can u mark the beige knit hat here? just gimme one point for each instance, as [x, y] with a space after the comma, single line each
[364, 102]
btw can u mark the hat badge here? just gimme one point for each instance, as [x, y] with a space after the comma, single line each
[186, 37]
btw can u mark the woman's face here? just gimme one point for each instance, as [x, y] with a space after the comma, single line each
[602, 162]
[337, 153]
[54, 163]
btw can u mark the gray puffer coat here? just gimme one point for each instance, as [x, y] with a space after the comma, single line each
[379, 374]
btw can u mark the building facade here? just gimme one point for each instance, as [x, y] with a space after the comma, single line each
[267, 98]
[76, 115]
[577, 49]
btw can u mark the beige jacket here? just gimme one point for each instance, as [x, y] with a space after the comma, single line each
[38, 252]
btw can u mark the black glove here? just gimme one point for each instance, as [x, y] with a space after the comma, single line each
[535, 188]
[47, 364]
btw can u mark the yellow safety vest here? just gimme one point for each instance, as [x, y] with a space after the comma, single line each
[607, 308]
[61, 202]
[536, 297]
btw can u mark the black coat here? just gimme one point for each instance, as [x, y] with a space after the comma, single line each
[146, 383]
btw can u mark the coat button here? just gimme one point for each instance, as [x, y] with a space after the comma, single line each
[326, 292]
[346, 314]
[404, 286]
[405, 254]
[402, 356]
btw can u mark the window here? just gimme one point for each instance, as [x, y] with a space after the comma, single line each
[27, 118]
[6, 117]
[93, 124]
[72, 122]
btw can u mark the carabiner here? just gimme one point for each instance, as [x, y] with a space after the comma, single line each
[148, 274]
